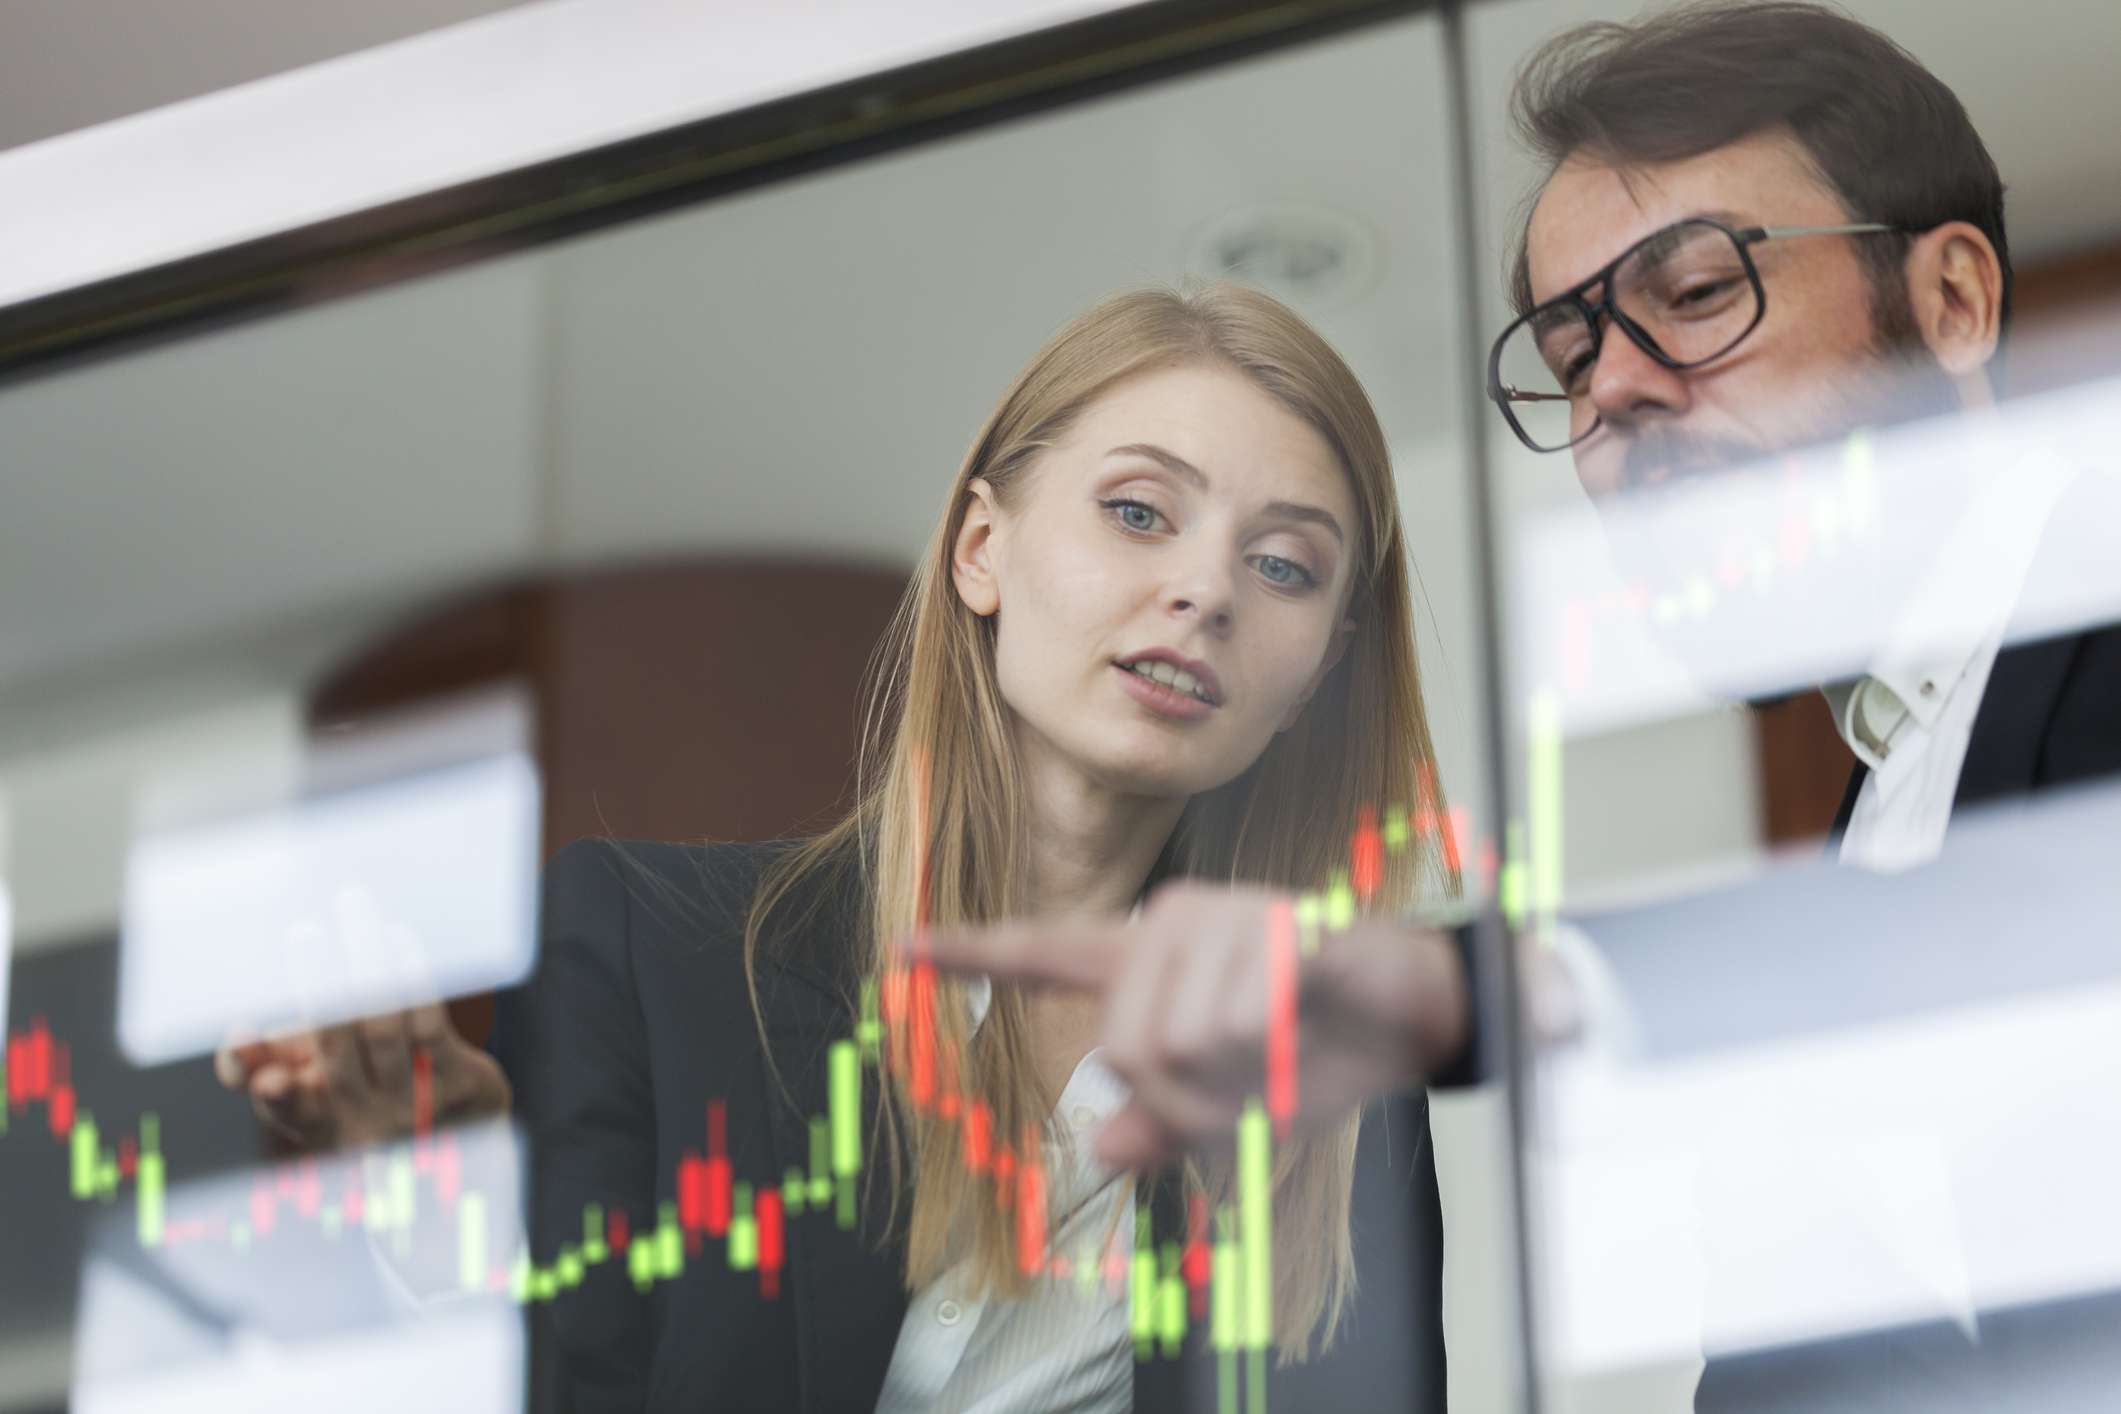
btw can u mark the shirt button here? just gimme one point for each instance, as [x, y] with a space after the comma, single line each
[948, 1313]
[1083, 1116]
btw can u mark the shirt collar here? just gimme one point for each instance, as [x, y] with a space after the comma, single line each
[1969, 590]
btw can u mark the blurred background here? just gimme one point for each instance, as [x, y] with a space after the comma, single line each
[631, 502]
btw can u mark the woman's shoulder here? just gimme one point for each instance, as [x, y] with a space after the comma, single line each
[692, 895]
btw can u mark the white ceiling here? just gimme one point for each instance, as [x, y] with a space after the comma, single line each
[81, 62]
[798, 370]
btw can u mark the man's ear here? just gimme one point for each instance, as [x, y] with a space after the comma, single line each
[1955, 289]
[972, 554]
[1342, 636]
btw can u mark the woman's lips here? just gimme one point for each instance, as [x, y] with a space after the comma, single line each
[1163, 699]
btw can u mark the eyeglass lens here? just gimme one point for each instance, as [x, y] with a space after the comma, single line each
[1685, 289]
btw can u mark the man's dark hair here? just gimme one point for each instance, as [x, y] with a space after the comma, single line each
[1880, 130]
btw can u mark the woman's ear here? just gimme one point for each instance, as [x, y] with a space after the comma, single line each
[1342, 636]
[972, 555]
[1955, 287]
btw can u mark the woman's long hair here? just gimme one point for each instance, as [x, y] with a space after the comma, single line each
[940, 831]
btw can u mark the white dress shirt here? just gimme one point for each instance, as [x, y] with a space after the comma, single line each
[1066, 1345]
[1910, 717]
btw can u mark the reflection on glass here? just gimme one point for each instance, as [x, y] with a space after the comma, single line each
[364, 900]
[376, 1278]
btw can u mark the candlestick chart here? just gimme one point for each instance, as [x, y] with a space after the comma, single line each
[1215, 1276]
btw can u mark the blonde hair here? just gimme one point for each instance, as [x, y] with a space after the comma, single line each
[936, 748]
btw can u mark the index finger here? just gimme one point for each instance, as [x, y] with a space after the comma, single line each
[1082, 953]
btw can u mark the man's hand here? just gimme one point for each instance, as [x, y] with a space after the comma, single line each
[351, 1084]
[1185, 987]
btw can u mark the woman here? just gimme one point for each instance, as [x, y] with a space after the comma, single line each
[1162, 631]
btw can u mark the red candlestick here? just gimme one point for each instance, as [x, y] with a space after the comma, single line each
[1030, 1209]
[692, 1200]
[1366, 862]
[978, 1123]
[772, 1248]
[40, 1060]
[449, 1170]
[1195, 1263]
[922, 1005]
[1281, 1015]
[716, 1176]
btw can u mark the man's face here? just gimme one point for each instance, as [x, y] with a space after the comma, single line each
[1813, 368]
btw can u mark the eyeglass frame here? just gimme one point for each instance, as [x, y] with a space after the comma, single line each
[1743, 238]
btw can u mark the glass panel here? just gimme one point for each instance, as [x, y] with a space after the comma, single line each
[318, 632]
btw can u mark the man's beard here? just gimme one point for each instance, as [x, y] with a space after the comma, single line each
[1891, 388]
[1671, 554]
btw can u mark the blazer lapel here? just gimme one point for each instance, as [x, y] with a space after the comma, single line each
[847, 1284]
[2003, 754]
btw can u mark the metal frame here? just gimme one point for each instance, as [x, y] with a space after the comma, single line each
[519, 210]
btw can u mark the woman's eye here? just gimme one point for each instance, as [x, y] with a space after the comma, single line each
[1286, 573]
[1135, 515]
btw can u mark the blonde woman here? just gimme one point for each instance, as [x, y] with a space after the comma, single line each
[1161, 633]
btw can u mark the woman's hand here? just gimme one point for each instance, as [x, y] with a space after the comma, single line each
[351, 1084]
[1378, 1005]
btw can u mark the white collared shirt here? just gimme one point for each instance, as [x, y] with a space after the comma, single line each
[1909, 719]
[1065, 1346]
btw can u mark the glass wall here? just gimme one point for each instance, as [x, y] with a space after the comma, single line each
[1828, 1135]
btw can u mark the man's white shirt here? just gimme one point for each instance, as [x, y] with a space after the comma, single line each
[1910, 717]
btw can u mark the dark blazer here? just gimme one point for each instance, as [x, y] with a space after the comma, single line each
[638, 1014]
[2050, 718]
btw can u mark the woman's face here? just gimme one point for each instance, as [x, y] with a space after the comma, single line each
[1189, 523]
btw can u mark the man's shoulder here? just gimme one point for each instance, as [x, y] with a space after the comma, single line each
[2050, 716]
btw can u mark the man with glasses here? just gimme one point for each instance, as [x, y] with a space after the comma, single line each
[1765, 228]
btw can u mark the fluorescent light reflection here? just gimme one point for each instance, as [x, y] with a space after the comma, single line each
[1755, 579]
[419, 885]
[260, 1292]
[1907, 1120]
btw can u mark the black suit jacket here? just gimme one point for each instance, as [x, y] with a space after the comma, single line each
[2051, 716]
[638, 1014]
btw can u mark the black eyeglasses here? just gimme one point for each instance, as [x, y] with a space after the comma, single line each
[1684, 295]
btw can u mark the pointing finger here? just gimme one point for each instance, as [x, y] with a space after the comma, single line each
[1071, 953]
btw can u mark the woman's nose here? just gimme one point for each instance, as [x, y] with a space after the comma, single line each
[1207, 593]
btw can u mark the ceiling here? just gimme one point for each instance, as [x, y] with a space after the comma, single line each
[83, 62]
